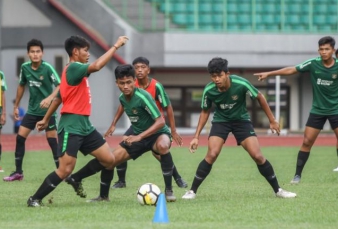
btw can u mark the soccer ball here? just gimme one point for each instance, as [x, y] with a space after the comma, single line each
[148, 194]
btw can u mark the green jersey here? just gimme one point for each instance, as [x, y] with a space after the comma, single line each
[230, 104]
[40, 83]
[324, 86]
[74, 123]
[142, 111]
[3, 86]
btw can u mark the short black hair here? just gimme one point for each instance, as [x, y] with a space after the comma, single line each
[75, 42]
[217, 65]
[124, 70]
[327, 40]
[141, 60]
[34, 42]
[336, 53]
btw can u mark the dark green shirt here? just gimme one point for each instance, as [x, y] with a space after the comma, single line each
[40, 83]
[3, 86]
[231, 104]
[324, 86]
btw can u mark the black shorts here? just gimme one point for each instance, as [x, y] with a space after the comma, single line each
[318, 121]
[72, 143]
[240, 129]
[29, 121]
[129, 132]
[136, 149]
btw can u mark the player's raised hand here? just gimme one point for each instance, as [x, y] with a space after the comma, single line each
[275, 128]
[262, 76]
[193, 145]
[41, 125]
[177, 138]
[109, 132]
[122, 40]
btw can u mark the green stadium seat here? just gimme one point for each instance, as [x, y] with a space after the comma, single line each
[259, 8]
[244, 8]
[233, 27]
[320, 9]
[232, 7]
[205, 18]
[218, 7]
[169, 9]
[179, 7]
[244, 19]
[231, 19]
[332, 19]
[180, 18]
[293, 8]
[333, 8]
[272, 27]
[205, 7]
[190, 7]
[217, 18]
[319, 19]
[271, 8]
[305, 8]
[304, 19]
[246, 27]
[292, 19]
[190, 18]
[268, 19]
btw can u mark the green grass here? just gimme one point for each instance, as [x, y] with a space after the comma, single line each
[234, 195]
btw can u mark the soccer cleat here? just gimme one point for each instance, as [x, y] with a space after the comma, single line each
[14, 176]
[189, 195]
[285, 194]
[119, 184]
[34, 202]
[169, 195]
[77, 187]
[181, 183]
[98, 199]
[335, 170]
[295, 180]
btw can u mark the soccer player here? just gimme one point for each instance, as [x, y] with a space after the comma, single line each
[336, 169]
[40, 77]
[323, 72]
[156, 90]
[76, 133]
[3, 88]
[228, 93]
[149, 133]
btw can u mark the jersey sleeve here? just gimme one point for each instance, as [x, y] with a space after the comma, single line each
[305, 66]
[3, 82]
[250, 89]
[161, 95]
[54, 76]
[149, 105]
[206, 102]
[22, 77]
[76, 72]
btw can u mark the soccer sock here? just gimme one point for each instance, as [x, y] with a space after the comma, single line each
[89, 169]
[54, 146]
[337, 152]
[0, 151]
[266, 170]
[121, 170]
[167, 165]
[47, 186]
[176, 175]
[202, 172]
[19, 152]
[106, 178]
[301, 160]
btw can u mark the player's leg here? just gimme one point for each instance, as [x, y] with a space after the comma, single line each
[27, 125]
[51, 136]
[333, 119]
[1, 169]
[313, 127]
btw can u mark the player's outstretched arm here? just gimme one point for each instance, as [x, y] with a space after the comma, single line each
[117, 116]
[274, 125]
[41, 125]
[103, 60]
[45, 103]
[283, 72]
[3, 102]
[19, 94]
[201, 123]
[170, 113]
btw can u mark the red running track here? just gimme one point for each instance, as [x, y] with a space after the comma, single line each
[39, 142]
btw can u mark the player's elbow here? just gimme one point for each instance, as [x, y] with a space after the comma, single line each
[161, 122]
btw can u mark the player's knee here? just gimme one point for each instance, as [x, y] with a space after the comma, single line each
[20, 139]
[212, 156]
[307, 143]
[162, 147]
[109, 161]
[258, 158]
[64, 171]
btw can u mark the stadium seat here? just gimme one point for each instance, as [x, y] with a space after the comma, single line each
[205, 7]
[244, 8]
[205, 19]
[268, 19]
[190, 7]
[180, 18]
[232, 7]
[244, 19]
[292, 19]
[259, 8]
[293, 8]
[319, 19]
[179, 7]
[332, 19]
[320, 9]
[217, 18]
[218, 7]
[231, 19]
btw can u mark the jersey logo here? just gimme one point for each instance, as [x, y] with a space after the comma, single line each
[234, 97]
[227, 106]
[317, 72]
[334, 76]
[41, 77]
[134, 111]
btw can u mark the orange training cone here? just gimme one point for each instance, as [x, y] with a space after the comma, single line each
[161, 214]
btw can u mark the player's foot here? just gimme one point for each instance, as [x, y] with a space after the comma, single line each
[169, 195]
[295, 180]
[189, 195]
[181, 183]
[285, 194]
[119, 184]
[34, 202]
[1, 170]
[14, 176]
[78, 188]
[98, 199]
[335, 170]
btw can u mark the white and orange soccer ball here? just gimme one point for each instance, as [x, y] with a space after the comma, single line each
[148, 194]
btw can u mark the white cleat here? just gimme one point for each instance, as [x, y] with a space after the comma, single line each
[285, 194]
[335, 170]
[189, 195]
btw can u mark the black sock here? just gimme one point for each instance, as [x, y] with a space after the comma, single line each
[121, 170]
[202, 172]
[106, 178]
[337, 151]
[19, 152]
[89, 169]
[267, 171]
[0, 151]
[167, 165]
[54, 146]
[47, 186]
[176, 175]
[301, 161]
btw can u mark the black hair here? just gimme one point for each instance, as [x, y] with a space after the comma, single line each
[336, 53]
[141, 60]
[34, 42]
[75, 42]
[124, 70]
[217, 65]
[327, 40]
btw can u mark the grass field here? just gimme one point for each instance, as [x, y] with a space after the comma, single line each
[234, 195]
